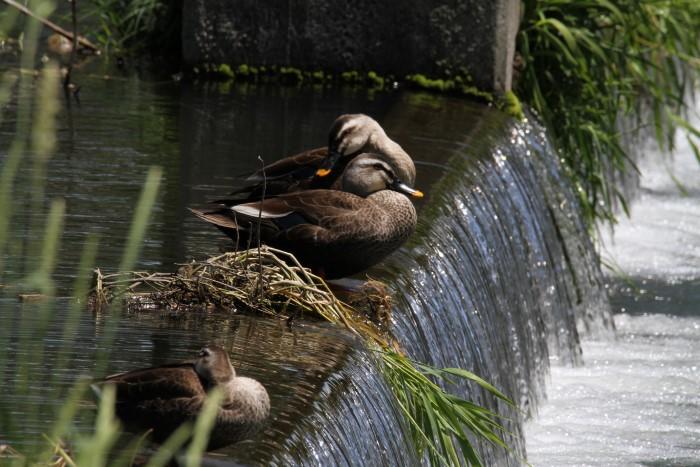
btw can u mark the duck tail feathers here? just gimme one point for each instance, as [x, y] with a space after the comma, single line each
[220, 217]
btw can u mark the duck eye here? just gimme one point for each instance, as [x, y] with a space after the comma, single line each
[204, 352]
[379, 166]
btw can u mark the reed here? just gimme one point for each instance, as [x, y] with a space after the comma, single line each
[123, 25]
[38, 104]
[592, 68]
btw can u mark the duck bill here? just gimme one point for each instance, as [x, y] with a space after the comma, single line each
[328, 164]
[405, 189]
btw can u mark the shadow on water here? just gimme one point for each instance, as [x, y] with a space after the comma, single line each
[494, 281]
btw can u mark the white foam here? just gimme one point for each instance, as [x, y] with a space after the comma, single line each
[635, 402]
[662, 237]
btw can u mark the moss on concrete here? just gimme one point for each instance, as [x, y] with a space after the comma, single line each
[511, 105]
[453, 83]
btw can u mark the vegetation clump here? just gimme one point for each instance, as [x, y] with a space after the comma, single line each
[511, 105]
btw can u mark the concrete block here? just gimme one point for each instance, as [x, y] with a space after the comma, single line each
[389, 37]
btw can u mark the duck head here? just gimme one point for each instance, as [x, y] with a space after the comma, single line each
[368, 173]
[356, 133]
[214, 366]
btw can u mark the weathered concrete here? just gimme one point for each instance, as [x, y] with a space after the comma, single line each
[388, 36]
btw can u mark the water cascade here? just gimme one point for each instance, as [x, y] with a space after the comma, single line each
[494, 281]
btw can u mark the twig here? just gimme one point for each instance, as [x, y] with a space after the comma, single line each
[56, 28]
[73, 51]
[259, 284]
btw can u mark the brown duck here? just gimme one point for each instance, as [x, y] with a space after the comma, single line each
[164, 397]
[336, 233]
[321, 168]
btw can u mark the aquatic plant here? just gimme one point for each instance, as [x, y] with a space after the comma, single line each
[591, 65]
[457, 84]
[123, 23]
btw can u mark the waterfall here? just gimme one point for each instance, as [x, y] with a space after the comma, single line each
[500, 278]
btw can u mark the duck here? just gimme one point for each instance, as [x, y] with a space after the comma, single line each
[321, 168]
[336, 233]
[162, 398]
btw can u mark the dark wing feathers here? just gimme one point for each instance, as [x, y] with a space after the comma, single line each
[163, 382]
[291, 174]
[300, 165]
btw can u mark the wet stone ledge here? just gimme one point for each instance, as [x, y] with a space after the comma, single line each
[473, 37]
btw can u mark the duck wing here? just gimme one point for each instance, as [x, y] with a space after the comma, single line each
[314, 216]
[291, 174]
[162, 415]
[299, 166]
[164, 382]
[310, 215]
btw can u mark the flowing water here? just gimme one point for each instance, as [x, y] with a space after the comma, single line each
[499, 278]
[637, 398]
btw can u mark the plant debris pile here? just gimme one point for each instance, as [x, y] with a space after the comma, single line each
[264, 280]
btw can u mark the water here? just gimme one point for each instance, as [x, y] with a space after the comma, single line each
[636, 400]
[499, 278]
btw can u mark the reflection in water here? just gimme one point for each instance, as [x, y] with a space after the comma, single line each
[499, 268]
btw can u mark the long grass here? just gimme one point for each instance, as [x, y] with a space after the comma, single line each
[38, 106]
[122, 25]
[593, 68]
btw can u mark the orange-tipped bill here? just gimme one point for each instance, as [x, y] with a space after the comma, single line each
[328, 163]
[403, 188]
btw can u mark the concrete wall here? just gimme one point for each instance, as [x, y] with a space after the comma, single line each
[396, 37]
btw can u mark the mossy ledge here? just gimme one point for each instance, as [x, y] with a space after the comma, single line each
[459, 84]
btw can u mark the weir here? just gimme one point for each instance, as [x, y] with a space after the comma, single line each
[500, 279]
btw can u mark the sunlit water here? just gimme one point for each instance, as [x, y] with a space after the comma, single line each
[636, 401]
[494, 280]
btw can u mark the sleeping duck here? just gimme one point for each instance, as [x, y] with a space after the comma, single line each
[349, 136]
[162, 398]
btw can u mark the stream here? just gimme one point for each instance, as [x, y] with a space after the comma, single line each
[500, 277]
[636, 399]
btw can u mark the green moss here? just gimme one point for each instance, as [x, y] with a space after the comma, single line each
[375, 80]
[350, 76]
[433, 84]
[457, 84]
[460, 84]
[473, 91]
[511, 105]
[318, 75]
[243, 70]
[225, 70]
[291, 74]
